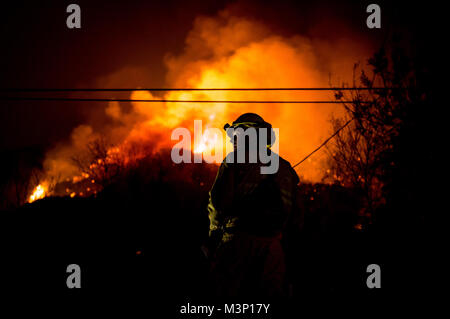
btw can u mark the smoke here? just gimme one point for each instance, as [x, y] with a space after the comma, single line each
[227, 51]
[58, 164]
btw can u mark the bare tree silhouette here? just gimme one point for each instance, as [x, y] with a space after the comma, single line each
[360, 155]
[101, 162]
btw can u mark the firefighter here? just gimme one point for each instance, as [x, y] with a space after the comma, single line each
[248, 211]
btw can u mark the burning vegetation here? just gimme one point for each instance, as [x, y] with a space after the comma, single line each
[38, 193]
[220, 52]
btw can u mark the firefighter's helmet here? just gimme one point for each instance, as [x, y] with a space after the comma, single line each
[248, 120]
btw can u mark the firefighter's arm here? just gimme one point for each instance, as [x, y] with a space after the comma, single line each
[220, 197]
[214, 217]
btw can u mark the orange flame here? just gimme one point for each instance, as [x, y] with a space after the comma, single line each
[225, 52]
[38, 193]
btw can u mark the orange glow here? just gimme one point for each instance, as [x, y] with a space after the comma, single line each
[224, 52]
[207, 143]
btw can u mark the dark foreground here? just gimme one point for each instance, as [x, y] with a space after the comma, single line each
[142, 253]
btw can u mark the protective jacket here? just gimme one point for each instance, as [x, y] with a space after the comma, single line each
[242, 199]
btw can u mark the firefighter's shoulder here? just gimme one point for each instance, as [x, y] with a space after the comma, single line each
[286, 169]
[229, 159]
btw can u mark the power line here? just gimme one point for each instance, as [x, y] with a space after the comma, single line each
[195, 101]
[8, 98]
[324, 143]
[197, 89]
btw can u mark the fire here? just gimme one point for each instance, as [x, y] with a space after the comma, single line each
[38, 193]
[220, 52]
[207, 143]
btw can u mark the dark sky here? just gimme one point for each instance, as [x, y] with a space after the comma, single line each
[39, 51]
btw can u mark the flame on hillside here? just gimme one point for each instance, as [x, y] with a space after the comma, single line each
[220, 52]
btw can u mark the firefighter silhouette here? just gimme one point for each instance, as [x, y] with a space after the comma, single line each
[248, 211]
